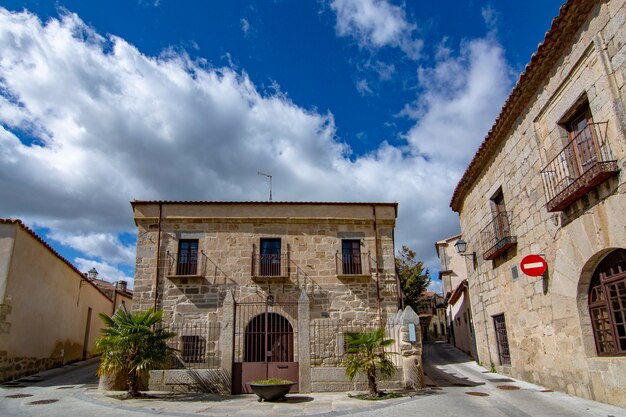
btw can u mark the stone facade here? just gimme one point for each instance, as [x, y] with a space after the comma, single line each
[48, 309]
[547, 321]
[312, 282]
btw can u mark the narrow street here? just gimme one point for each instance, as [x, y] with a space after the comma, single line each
[462, 388]
[457, 387]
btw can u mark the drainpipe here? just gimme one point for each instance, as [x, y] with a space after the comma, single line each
[158, 251]
[380, 313]
[398, 285]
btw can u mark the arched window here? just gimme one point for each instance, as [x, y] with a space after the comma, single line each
[607, 304]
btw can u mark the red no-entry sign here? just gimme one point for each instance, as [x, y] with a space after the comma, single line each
[533, 265]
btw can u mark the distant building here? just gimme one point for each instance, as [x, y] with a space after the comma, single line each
[267, 289]
[549, 180]
[431, 310]
[48, 309]
[118, 292]
[453, 276]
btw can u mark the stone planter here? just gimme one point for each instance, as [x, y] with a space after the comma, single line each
[271, 392]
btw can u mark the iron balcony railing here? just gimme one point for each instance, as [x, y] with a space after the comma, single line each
[353, 263]
[185, 264]
[585, 162]
[270, 265]
[496, 237]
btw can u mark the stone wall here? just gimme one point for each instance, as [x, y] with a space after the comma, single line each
[229, 237]
[13, 367]
[546, 318]
[311, 246]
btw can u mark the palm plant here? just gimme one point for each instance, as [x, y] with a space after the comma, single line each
[367, 355]
[131, 343]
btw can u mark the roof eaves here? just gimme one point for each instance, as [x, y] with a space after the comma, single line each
[38, 238]
[571, 16]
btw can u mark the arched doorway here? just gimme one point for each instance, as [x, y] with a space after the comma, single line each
[268, 337]
[265, 343]
[607, 304]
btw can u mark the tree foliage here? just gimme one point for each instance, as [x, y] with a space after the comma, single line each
[367, 355]
[413, 278]
[132, 343]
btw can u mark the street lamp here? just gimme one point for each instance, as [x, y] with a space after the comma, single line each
[461, 247]
[92, 274]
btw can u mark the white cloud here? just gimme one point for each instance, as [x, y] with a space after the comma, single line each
[245, 26]
[375, 24]
[363, 87]
[461, 98]
[98, 245]
[490, 16]
[116, 125]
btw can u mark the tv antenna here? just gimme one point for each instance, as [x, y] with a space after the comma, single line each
[268, 176]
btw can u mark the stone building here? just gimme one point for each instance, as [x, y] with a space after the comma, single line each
[267, 289]
[453, 276]
[48, 309]
[432, 313]
[549, 180]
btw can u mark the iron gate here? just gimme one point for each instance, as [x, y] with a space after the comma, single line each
[265, 343]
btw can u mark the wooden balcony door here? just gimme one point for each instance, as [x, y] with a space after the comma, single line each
[579, 129]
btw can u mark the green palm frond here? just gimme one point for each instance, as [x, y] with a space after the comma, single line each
[132, 342]
[367, 355]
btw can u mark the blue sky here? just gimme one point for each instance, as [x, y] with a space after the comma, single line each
[105, 102]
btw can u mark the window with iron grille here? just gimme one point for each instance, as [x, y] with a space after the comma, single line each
[502, 339]
[187, 257]
[193, 348]
[607, 304]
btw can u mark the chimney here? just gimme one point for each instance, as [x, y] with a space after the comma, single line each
[121, 285]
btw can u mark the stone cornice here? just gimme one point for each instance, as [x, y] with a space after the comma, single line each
[266, 220]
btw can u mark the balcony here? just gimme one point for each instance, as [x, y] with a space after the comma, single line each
[585, 162]
[353, 263]
[185, 264]
[496, 236]
[270, 265]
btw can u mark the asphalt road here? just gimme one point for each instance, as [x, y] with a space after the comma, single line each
[458, 387]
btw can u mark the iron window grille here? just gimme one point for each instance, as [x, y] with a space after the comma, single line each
[502, 339]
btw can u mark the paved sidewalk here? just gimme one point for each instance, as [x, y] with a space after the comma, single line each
[465, 389]
[316, 404]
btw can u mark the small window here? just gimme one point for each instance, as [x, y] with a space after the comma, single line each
[351, 257]
[502, 339]
[193, 348]
[435, 329]
[270, 258]
[187, 257]
[442, 328]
